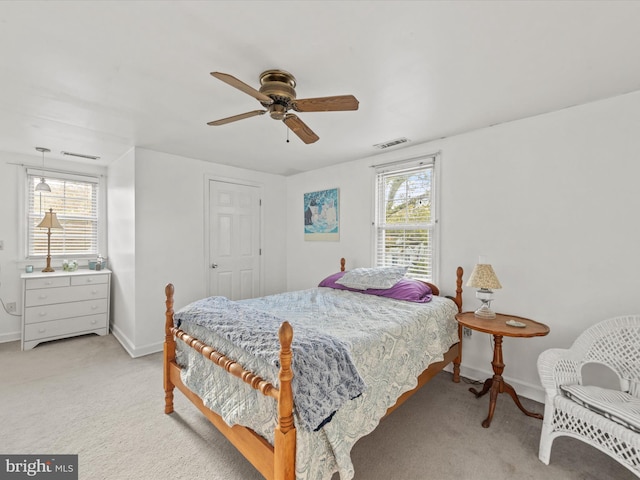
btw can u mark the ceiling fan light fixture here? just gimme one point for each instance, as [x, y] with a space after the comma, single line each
[277, 111]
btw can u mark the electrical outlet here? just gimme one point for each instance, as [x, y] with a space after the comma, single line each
[466, 331]
[11, 307]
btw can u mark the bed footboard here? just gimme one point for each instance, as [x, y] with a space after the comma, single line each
[274, 463]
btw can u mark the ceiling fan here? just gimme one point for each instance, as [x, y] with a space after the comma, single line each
[278, 95]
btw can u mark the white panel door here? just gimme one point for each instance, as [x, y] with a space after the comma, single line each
[234, 240]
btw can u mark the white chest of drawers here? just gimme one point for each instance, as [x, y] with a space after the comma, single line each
[64, 304]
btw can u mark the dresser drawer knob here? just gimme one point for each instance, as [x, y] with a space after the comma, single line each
[89, 280]
[93, 292]
[48, 282]
[93, 322]
[43, 314]
[94, 307]
[42, 297]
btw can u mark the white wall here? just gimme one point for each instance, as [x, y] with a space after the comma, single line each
[308, 262]
[12, 261]
[10, 265]
[121, 204]
[169, 238]
[550, 200]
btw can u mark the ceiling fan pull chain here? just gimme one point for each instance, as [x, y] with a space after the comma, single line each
[287, 134]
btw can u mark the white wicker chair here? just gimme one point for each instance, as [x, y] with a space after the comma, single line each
[616, 344]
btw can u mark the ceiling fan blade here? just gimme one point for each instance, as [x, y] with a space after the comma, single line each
[222, 121]
[300, 128]
[326, 104]
[240, 85]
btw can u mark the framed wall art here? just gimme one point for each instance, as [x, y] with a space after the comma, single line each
[322, 216]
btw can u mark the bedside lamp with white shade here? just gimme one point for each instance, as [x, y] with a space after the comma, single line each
[484, 278]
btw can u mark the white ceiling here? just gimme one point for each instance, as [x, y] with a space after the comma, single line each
[101, 77]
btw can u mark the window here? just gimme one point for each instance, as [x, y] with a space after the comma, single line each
[74, 199]
[406, 220]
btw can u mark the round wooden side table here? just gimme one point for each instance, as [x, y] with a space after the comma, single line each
[499, 328]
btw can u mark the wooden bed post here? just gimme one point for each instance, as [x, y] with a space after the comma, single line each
[285, 433]
[342, 262]
[169, 350]
[458, 299]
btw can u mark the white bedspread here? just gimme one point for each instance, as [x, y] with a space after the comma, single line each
[391, 343]
[324, 376]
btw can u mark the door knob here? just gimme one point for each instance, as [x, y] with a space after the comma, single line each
[214, 265]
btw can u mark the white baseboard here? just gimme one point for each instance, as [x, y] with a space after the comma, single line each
[131, 349]
[523, 389]
[10, 337]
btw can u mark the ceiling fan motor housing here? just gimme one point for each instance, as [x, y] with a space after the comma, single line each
[280, 87]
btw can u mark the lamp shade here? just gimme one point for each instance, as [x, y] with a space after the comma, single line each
[43, 186]
[50, 220]
[483, 277]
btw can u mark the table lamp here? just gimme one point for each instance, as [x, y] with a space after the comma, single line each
[484, 278]
[49, 221]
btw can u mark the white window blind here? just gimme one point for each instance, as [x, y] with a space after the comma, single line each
[405, 217]
[74, 199]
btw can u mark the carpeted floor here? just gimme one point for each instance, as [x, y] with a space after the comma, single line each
[86, 396]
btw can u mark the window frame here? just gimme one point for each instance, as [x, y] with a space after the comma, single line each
[101, 234]
[429, 160]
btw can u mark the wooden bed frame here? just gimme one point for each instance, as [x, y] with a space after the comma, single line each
[275, 462]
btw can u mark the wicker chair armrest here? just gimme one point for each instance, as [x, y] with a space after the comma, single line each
[559, 366]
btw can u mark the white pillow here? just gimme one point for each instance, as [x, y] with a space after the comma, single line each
[378, 278]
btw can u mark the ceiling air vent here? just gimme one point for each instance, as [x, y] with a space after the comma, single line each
[80, 155]
[391, 143]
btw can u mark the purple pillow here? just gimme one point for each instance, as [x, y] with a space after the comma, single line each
[406, 289]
